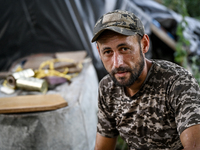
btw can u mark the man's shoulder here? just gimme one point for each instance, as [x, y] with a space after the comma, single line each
[107, 87]
[168, 68]
[105, 81]
[165, 74]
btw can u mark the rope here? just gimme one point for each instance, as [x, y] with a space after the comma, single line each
[41, 73]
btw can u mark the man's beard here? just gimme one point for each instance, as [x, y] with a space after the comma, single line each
[135, 73]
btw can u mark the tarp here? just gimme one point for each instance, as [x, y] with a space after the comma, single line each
[30, 27]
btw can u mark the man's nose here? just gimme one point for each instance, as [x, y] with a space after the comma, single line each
[118, 60]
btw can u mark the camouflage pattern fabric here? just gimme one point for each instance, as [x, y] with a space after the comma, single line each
[119, 21]
[167, 103]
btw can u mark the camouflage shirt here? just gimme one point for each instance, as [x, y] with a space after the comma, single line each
[167, 103]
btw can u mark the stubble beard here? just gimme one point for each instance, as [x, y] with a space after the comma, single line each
[134, 73]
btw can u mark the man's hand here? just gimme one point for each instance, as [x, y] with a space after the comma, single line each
[104, 143]
[190, 138]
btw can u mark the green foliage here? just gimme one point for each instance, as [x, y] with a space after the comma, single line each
[195, 69]
[181, 55]
[121, 144]
[182, 43]
[192, 6]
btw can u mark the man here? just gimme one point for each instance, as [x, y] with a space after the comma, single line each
[151, 104]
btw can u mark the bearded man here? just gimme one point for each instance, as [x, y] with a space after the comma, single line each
[151, 104]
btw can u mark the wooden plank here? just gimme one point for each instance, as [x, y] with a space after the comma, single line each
[31, 103]
[34, 61]
[77, 56]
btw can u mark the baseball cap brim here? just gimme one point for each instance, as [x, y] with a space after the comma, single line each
[120, 30]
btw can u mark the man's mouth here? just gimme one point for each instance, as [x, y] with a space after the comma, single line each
[121, 73]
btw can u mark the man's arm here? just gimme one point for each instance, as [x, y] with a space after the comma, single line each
[104, 143]
[190, 138]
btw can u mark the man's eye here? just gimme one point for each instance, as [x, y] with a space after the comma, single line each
[124, 49]
[107, 52]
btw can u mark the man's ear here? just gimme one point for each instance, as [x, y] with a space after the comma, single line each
[145, 43]
[98, 48]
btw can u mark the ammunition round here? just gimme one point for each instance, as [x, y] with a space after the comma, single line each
[33, 84]
[24, 73]
[11, 79]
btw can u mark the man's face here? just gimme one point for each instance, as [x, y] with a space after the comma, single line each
[122, 57]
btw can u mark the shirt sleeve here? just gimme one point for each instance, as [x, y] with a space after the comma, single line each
[106, 120]
[185, 97]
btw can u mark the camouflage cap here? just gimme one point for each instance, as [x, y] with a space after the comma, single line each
[119, 21]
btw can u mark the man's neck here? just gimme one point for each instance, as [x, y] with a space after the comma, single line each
[135, 87]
